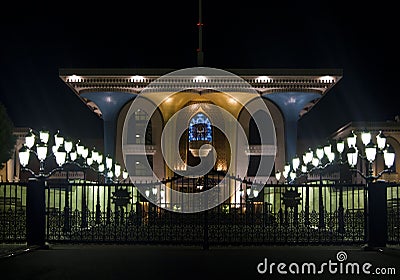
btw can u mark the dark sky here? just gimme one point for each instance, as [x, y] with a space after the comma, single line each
[37, 40]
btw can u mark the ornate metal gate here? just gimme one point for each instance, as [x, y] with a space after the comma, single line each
[280, 214]
[12, 212]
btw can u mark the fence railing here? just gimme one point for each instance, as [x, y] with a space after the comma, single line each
[12, 212]
[280, 214]
[393, 213]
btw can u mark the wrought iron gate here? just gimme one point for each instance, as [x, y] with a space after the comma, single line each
[280, 214]
[393, 213]
[12, 212]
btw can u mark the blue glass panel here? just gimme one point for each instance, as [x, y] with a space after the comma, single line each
[200, 128]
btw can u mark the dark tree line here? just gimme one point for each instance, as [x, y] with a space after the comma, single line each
[7, 139]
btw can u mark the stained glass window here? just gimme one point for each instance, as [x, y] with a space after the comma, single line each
[200, 128]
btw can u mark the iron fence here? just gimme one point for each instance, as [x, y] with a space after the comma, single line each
[393, 213]
[280, 214]
[12, 212]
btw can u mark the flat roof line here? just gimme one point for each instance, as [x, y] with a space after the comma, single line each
[163, 71]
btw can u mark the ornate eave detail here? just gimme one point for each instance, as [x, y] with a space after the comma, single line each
[262, 81]
[126, 84]
[106, 83]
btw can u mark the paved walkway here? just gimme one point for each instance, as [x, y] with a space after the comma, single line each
[11, 249]
[180, 262]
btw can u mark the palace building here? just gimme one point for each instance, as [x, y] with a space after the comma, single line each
[189, 140]
[138, 106]
[287, 93]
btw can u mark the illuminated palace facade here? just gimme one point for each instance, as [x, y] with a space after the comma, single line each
[287, 93]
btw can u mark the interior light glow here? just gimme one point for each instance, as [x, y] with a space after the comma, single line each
[326, 79]
[137, 79]
[74, 78]
[200, 79]
[263, 79]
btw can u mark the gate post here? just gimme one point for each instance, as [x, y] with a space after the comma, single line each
[377, 215]
[205, 225]
[36, 212]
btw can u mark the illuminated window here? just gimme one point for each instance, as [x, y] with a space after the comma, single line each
[140, 134]
[139, 165]
[200, 128]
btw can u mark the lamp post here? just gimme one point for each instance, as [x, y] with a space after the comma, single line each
[63, 151]
[369, 154]
[314, 161]
[112, 171]
[36, 143]
[377, 206]
[39, 148]
[248, 194]
[289, 175]
[367, 151]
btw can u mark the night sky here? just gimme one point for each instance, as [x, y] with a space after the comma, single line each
[37, 40]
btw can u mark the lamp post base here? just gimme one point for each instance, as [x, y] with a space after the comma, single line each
[36, 213]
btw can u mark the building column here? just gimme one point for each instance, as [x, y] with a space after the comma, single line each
[110, 104]
[291, 104]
